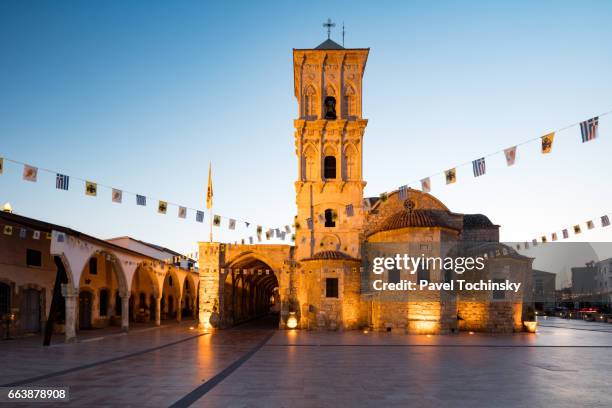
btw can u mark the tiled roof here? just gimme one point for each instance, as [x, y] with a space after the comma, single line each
[477, 221]
[331, 255]
[415, 218]
[329, 45]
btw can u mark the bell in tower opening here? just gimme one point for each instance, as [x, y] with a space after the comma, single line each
[330, 108]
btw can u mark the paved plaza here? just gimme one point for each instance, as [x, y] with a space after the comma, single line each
[566, 364]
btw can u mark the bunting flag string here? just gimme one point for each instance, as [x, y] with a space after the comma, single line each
[63, 182]
[604, 221]
[588, 131]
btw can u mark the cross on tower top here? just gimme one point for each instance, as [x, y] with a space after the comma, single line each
[328, 24]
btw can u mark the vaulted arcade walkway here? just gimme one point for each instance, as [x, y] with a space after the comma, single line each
[250, 291]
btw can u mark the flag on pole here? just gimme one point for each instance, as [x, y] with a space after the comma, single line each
[209, 191]
[479, 167]
[426, 185]
[349, 210]
[61, 181]
[162, 207]
[199, 216]
[547, 142]
[590, 224]
[182, 212]
[232, 224]
[565, 233]
[451, 175]
[577, 229]
[605, 221]
[588, 129]
[403, 192]
[510, 154]
[91, 188]
[30, 173]
[117, 195]
[141, 200]
[216, 220]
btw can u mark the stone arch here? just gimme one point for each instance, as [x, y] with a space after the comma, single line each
[310, 102]
[330, 242]
[330, 160]
[309, 163]
[248, 285]
[171, 291]
[351, 163]
[350, 101]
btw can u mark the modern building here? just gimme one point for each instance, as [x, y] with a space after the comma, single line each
[584, 280]
[324, 281]
[85, 282]
[604, 280]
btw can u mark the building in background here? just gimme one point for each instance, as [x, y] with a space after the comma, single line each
[544, 291]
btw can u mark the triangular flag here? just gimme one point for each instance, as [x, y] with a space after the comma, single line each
[426, 185]
[450, 175]
[30, 173]
[547, 142]
[510, 154]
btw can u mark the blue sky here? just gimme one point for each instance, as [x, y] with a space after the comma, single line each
[142, 95]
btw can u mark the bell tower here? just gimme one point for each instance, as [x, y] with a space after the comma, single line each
[328, 143]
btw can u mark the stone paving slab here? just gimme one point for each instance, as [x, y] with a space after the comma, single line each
[560, 366]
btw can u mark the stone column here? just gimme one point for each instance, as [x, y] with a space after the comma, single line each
[125, 311]
[70, 294]
[158, 310]
[179, 309]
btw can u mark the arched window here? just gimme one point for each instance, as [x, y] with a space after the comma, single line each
[350, 105]
[330, 108]
[330, 218]
[329, 167]
[310, 160]
[310, 96]
[350, 154]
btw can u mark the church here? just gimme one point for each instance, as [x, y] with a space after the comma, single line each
[324, 280]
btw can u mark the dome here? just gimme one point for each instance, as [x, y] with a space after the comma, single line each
[416, 218]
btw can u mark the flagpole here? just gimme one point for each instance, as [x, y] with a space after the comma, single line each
[209, 200]
[211, 223]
